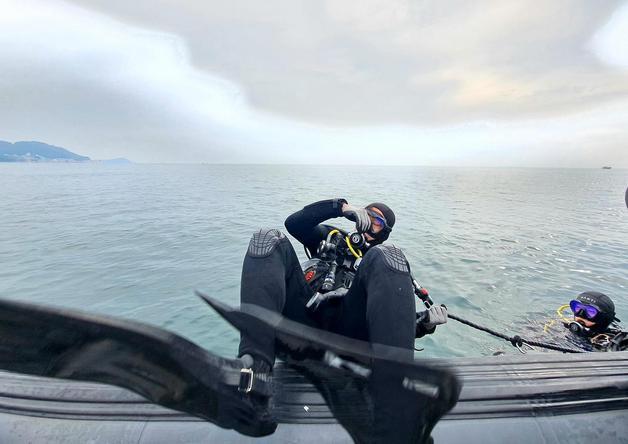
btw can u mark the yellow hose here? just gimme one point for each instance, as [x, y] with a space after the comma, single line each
[357, 254]
[331, 233]
[561, 316]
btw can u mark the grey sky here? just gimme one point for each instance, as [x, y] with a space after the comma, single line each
[430, 82]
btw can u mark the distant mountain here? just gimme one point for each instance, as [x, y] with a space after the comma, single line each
[36, 152]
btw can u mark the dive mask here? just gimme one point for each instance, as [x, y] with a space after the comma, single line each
[378, 220]
[585, 311]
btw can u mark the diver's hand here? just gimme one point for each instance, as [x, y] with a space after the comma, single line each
[359, 215]
[436, 315]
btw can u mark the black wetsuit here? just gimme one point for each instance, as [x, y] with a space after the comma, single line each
[612, 339]
[379, 306]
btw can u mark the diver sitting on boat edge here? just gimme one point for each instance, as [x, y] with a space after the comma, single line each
[594, 321]
[353, 285]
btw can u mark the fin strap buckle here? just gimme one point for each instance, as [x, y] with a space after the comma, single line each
[246, 380]
[250, 381]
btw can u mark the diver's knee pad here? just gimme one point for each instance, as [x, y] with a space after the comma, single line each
[394, 259]
[264, 242]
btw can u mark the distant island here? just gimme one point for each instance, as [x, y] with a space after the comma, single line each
[36, 152]
[42, 152]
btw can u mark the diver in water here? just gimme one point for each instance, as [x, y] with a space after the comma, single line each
[594, 322]
[353, 284]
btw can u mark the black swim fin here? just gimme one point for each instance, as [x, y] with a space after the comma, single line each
[161, 366]
[377, 393]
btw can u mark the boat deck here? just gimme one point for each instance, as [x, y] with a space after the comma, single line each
[525, 398]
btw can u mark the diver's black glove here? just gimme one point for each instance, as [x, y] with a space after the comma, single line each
[359, 215]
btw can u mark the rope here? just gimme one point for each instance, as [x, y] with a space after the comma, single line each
[516, 341]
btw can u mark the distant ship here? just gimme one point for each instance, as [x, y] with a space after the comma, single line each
[606, 168]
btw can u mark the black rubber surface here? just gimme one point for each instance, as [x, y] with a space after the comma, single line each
[499, 386]
[521, 399]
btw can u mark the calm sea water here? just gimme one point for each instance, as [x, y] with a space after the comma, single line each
[498, 246]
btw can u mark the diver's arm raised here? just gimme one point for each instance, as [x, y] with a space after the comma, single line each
[306, 224]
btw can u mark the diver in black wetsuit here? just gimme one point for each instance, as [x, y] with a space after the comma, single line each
[370, 298]
[594, 323]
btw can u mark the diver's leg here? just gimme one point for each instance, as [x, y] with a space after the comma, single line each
[390, 308]
[271, 278]
[379, 307]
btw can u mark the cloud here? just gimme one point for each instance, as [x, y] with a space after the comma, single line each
[611, 42]
[304, 82]
[366, 62]
[82, 78]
